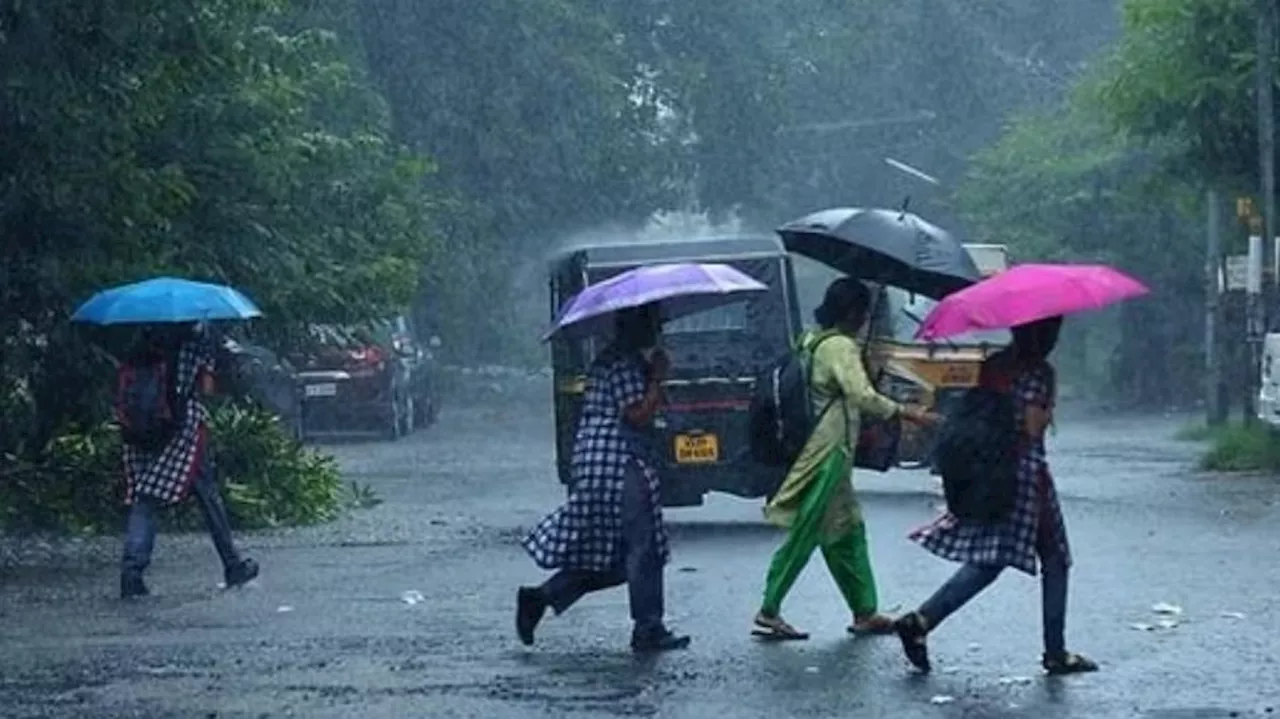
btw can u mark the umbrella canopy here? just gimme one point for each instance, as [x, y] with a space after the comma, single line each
[683, 289]
[166, 300]
[1027, 293]
[886, 246]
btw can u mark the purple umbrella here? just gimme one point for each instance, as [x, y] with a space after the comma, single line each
[683, 289]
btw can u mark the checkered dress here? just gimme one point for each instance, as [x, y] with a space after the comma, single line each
[166, 476]
[586, 532]
[1011, 543]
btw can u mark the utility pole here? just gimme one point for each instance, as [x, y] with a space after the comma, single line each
[1264, 226]
[1254, 317]
[1267, 144]
[1215, 388]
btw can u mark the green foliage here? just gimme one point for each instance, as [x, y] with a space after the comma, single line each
[271, 479]
[1243, 448]
[1185, 71]
[75, 482]
[234, 141]
[1063, 186]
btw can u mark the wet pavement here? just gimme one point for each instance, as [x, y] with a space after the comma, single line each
[405, 610]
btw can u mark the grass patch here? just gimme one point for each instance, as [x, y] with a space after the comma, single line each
[1241, 448]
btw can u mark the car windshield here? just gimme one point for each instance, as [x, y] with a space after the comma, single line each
[356, 334]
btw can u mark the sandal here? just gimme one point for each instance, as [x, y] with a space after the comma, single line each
[773, 628]
[912, 630]
[1068, 663]
[875, 624]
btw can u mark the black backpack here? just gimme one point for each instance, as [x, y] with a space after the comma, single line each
[148, 406]
[977, 455]
[781, 416]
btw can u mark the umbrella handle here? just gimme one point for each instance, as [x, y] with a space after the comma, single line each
[102, 352]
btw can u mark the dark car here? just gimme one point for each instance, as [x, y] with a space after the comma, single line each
[367, 377]
[254, 372]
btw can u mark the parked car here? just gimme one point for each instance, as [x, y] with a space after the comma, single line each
[366, 377]
[255, 372]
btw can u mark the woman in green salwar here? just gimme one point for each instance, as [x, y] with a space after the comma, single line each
[816, 502]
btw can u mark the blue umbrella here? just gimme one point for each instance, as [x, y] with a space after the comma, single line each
[166, 300]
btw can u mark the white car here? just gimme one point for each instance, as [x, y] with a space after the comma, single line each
[1269, 391]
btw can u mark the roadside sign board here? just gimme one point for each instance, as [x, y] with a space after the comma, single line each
[1235, 273]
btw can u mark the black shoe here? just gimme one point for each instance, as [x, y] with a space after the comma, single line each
[913, 632]
[132, 587]
[245, 571]
[1067, 663]
[530, 608]
[661, 640]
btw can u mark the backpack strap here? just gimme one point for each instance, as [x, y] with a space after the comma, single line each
[812, 350]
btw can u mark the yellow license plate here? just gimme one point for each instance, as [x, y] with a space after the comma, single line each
[697, 448]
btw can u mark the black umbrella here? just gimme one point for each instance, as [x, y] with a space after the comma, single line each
[891, 247]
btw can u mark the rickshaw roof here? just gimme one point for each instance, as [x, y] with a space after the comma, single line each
[700, 249]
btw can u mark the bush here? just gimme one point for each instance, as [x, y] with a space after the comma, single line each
[75, 483]
[271, 479]
[1242, 448]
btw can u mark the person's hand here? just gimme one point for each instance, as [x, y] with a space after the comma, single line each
[920, 417]
[659, 365]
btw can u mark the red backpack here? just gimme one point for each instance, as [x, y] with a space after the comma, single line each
[147, 406]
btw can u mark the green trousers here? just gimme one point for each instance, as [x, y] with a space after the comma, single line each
[847, 556]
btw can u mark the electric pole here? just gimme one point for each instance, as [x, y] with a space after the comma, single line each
[1267, 145]
[1263, 229]
[1215, 388]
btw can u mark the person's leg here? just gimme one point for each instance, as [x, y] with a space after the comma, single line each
[968, 581]
[849, 561]
[559, 592]
[1053, 598]
[236, 570]
[641, 562]
[787, 563]
[913, 628]
[564, 588]
[644, 567]
[802, 538]
[139, 541]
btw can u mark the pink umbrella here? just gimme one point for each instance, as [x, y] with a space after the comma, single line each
[1027, 293]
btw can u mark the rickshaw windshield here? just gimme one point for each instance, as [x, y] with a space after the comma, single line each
[728, 318]
[903, 312]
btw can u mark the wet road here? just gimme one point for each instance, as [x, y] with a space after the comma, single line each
[327, 630]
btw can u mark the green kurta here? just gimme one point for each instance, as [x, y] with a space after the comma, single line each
[837, 373]
[816, 502]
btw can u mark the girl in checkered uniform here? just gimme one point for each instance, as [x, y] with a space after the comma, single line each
[1034, 530]
[183, 467]
[610, 531]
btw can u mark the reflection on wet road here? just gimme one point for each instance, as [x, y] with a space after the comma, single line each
[406, 609]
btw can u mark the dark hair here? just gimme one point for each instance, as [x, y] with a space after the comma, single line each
[845, 298]
[637, 323]
[1034, 341]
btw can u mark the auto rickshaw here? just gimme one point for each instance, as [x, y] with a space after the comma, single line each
[715, 358]
[929, 374]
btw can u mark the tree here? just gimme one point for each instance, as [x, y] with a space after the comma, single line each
[1184, 71]
[1062, 186]
[211, 141]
